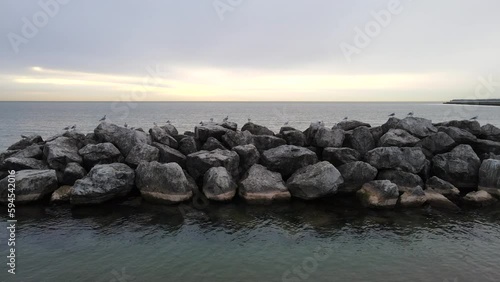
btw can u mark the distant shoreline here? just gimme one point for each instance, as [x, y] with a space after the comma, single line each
[480, 102]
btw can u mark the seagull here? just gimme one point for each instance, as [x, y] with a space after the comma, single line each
[66, 128]
[346, 118]
[132, 128]
[249, 120]
[286, 123]
[24, 136]
[226, 119]
[410, 114]
[201, 122]
[73, 127]
[393, 114]
[155, 124]
[125, 125]
[211, 119]
[103, 118]
[474, 118]
[168, 121]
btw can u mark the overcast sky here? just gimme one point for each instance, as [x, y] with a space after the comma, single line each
[206, 50]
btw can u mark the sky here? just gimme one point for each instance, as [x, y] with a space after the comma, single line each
[249, 50]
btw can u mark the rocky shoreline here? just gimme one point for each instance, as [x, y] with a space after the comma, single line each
[405, 163]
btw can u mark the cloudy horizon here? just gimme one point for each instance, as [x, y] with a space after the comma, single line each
[242, 50]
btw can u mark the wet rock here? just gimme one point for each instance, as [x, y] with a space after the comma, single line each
[187, 145]
[460, 167]
[31, 186]
[237, 138]
[266, 142]
[326, 137]
[294, 137]
[103, 183]
[249, 155]
[479, 199]
[490, 132]
[407, 159]
[62, 194]
[287, 159]
[103, 153]
[413, 198]
[419, 127]
[142, 153]
[200, 162]
[26, 142]
[262, 186]
[340, 156]
[460, 136]
[123, 138]
[212, 144]
[398, 138]
[14, 163]
[72, 173]
[437, 143]
[315, 181]
[347, 125]
[60, 152]
[469, 125]
[162, 136]
[356, 174]
[256, 129]
[361, 140]
[163, 183]
[379, 194]
[442, 187]
[489, 177]
[218, 185]
[439, 201]
[170, 155]
[406, 181]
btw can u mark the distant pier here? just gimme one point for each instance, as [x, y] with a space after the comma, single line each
[481, 102]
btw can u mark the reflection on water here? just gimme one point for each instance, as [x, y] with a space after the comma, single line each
[296, 241]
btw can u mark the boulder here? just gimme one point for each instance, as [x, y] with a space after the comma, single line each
[311, 131]
[202, 132]
[398, 138]
[391, 123]
[315, 181]
[287, 159]
[326, 137]
[142, 152]
[79, 138]
[123, 138]
[103, 153]
[26, 142]
[486, 147]
[413, 198]
[14, 163]
[262, 186]
[460, 167]
[229, 125]
[294, 137]
[490, 132]
[489, 177]
[103, 182]
[419, 127]
[256, 129]
[249, 155]
[347, 125]
[61, 152]
[163, 183]
[340, 156]
[439, 201]
[379, 194]
[266, 142]
[170, 155]
[170, 129]
[361, 140]
[72, 173]
[31, 185]
[377, 133]
[406, 158]
[287, 128]
[212, 144]
[442, 187]
[62, 194]
[187, 145]
[162, 136]
[406, 181]
[460, 136]
[355, 174]
[479, 199]
[200, 162]
[218, 185]
[437, 143]
[469, 125]
[237, 138]
[34, 151]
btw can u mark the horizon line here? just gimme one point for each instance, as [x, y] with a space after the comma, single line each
[202, 101]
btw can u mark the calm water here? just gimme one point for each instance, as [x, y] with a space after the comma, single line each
[236, 242]
[49, 119]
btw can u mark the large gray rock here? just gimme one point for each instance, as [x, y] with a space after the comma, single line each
[419, 127]
[202, 132]
[460, 167]
[249, 155]
[311, 131]
[460, 136]
[163, 183]
[294, 137]
[262, 186]
[103, 183]
[361, 140]
[170, 129]
[391, 123]
[14, 163]
[212, 144]
[170, 155]
[379, 194]
[326, 137]
[287, 159]
[377, 133]
[256, 129]
[34, 151]
[103, 153]
[397, 138]
[123, 138]
[30, 186]
[439, 201]
[26, 142]
[479, 199]
[315, 181]
[237, 138]
[142, 152]
[347, 125]
[486, 147]
[62, 194]
[413, 198]
[340, 156]
[437, 143]
[489, 177]
[162, 136]
[266, 142]
[356, 174]
[218, 185]
[406, 181]
[229, 125]
[61, 152]
[187, 145]
[406, 158]
[72, 173]
[200, 162]
[490, 132]
[470, 125]
[442, 187]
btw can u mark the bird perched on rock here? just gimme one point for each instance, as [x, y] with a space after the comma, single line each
[393, 114]
[125, 125]
[66, 128]
[211, 119]
[287, 122]
[249, 120]
[132, 128]
[103, 118]
[346, 118]
[474, 118]
[226, 119]
[24, 136]
[73, 127]
[410, 114]
[168, 121]
[154, 123]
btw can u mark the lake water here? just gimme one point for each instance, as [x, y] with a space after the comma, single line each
[48, 119]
